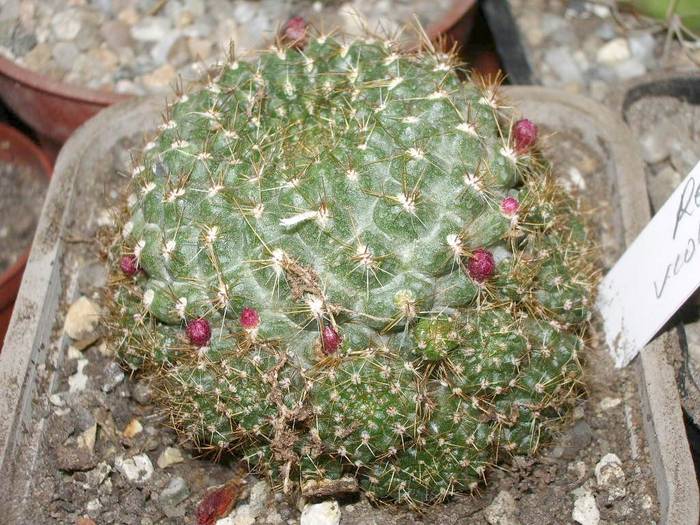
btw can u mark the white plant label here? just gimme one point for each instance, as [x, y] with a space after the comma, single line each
[656, 274]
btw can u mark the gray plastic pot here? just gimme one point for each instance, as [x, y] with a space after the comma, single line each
[26, 381]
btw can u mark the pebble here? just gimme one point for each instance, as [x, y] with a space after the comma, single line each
[82, 322]
[151, 29]
[502, 510]
[113, 376]
[324, 513]
[78, 381]
[136, 469]
[175, 493]
[585, 507]
[98, 475]
[247, 513]
[614, 51]
[133, 428]
[608, 403]
[610, 477]
[170, 456]
[66, 25]
[141, 393]
[78, 453]
[561, 62]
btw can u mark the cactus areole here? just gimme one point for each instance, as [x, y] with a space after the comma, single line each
[350, 271]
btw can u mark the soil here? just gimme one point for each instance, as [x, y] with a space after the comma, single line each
[22, 193]
[88, 427]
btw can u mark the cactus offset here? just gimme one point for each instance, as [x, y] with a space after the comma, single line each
[351, 264]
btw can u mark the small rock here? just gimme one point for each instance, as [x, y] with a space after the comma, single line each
[170, 456]
[141, 393]
[629, 68]
[82, 321]
[113, 376]
[151, 29]
[610, 477]
[22, 40]
[78, 381]
[324, 513]
[614, 51]
[132, 429]
[642, 46]
[247, 513]
[93, 506]
[78, 454]
[136, 469]
[161, 77]
[56, 400]
[502, 510]
[116, 34]
[39, 58]
[585, 507]
[662, 185]
[85, 521]
[96, 476]
[561, 62]
[609, 402]
[65, 53]
[199, 48]
[577, 468]
[66, 25]
[175, 493]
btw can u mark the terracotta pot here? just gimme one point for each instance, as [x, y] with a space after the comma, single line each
[24, 152]
[54, 109]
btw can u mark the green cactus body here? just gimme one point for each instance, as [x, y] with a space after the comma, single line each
[405, 330]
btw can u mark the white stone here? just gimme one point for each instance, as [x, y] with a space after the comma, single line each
[324, 513]
[610, 476]
[136, 469]
[585, 508]
[170, 456]
[617, 50]
[66, 25]
[78, 381]
[609, 402]
[86, 439]
[502, 510]
[247, 513]
[151, 29]
[82, 320]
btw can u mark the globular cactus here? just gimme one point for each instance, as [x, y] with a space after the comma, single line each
[347, 264]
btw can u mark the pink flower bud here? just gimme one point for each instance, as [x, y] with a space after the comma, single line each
[199, 332]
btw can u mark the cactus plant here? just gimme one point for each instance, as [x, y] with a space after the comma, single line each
[348, 265]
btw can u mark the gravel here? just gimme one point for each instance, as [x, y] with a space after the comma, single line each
[142, 46]
[21, 196]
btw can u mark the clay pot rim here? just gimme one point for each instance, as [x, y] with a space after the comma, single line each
[19, 140]
[44, 83]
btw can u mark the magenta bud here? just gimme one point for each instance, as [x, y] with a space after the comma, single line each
[199, 332]
[129, 265]
[249, 318]
[331, 340]
[510, 206]
[294, 32]
[481, 265]
[524, 135]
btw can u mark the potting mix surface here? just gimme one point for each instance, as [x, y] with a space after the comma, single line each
[107, 453]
